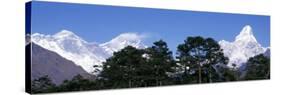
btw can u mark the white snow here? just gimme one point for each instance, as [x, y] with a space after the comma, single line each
[83, 53]
[244, 47]
[122, 41]
[87, 54]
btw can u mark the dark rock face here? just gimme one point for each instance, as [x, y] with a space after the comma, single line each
[45, 62]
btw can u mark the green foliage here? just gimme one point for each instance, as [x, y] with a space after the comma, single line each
[125, 68]
[78, 83]
[160, 63]
[133, 67]
[198, 60]
[228, 73]
[42, 85]
[258, 67]
[200, 56]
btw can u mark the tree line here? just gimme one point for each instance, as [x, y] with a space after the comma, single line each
[197, 60]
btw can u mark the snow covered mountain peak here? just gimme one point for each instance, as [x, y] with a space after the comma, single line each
[83, 53]
[128, 38]
[244, 47]
[123, 40]
[65, 34]
[246, 34]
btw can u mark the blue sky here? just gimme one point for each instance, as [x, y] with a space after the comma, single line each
[100, 24]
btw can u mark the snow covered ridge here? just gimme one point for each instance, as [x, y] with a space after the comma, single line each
[87, 54]
[83, 53]
[123, 40]
[242, 48]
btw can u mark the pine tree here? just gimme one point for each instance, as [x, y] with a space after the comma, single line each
[160, 60]
[214, 58]
[201, 56]
[123, 68]
[258, 67]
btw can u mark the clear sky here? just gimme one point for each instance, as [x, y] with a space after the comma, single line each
[95, 23]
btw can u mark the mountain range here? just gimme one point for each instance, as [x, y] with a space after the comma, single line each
[91, 55]
[83, 53]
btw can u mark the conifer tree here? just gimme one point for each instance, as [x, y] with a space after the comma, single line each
[160, 60]
[200, 56]
[258, 67]
[123, 68]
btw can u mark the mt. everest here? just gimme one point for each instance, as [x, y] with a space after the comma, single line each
[83, 53]
[242, 48]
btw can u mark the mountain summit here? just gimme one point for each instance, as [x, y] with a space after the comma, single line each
[66, 33]
[246, 35]
[122, 41]
[242, 48]
[83, 53]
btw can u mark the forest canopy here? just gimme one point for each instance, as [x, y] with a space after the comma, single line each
[197, 60]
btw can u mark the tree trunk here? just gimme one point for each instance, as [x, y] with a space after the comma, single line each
[199, 67]
[210, 77]
[130, 83]
[199, 74]
[210, 74]
[185, 70]
[156, 81]
[268, 75]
